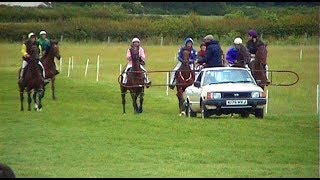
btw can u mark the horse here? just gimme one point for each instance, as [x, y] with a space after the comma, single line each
[185, 77]
[256, 66]
[135, 83]
[32, 80]
[49, 64]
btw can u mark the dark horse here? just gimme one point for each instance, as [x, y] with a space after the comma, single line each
[32, 80]
[256, 65]
[185, 77]
[49, 65]
[135, 83]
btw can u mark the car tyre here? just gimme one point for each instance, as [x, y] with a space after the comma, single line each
[245, 114]
[259, 113]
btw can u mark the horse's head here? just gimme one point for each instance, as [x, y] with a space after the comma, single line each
[34, 52]
[55, 49]
[186, 57]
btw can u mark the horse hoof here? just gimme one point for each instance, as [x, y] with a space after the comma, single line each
[183, 113]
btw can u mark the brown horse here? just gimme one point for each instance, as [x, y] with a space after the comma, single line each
[185, 77]
[135, 83]
[49, 65]
[32, 80]
[256, 66]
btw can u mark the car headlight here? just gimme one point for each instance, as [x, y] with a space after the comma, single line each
[212, 95]
[256, 94]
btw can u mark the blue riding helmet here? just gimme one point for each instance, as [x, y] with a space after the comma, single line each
[189, 40]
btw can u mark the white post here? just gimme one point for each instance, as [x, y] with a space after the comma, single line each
[267, 97]
[120, 69]
[301, 54]
[61, 38]
[69, 67]
[85, 73]
[98, 68]
[60, 67]
[72, 62]
[161, 40]
[108, 39]
[317, 98]
[167, 91]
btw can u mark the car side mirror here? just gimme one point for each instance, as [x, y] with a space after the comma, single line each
[196, 84]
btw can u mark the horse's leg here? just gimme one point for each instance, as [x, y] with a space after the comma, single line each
[52, 88]
[29, 100]
[39, 95]
[134, 102]
[21, 97]
[123, 96]
[141, 101]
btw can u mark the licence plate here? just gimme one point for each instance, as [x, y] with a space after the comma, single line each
[236, 102]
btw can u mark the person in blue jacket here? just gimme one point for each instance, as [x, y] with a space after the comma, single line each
[193, 57]
[213, 57]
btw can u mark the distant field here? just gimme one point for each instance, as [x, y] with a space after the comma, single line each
[84, 134]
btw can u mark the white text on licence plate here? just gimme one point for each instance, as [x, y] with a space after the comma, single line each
[236, 102]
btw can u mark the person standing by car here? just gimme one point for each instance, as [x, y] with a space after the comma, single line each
[213, 57]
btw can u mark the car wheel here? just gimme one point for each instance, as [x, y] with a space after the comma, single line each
[245, 114]
[189, 112]
[259, 113]
[204, 112]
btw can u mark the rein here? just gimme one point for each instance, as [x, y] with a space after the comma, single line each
[190, 76]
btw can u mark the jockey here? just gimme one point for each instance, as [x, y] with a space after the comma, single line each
[136, 42]
[244, 56]
[45, 44]
[232, 56]
[254, 45]
[25, 50]
[193, 57]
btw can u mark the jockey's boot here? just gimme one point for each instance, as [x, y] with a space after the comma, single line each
[268, 82]
[172, 80]
[147, 81]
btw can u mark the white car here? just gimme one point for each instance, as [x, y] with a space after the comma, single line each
[224, 90]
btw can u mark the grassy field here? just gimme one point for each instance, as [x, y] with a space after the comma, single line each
[84, 134]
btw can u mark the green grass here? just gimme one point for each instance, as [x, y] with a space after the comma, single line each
[84, 134]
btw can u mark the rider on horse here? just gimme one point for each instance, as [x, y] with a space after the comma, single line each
[25, 50]
[136, 43]
[257, 47]
[45, 44]
[243, 57]
[193, 57]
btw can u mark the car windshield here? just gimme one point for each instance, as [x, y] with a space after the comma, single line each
[227, 76]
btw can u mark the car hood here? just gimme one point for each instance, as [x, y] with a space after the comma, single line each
[232, 87]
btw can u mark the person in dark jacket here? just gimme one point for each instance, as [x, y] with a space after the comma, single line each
[213, 57]
[258, 50]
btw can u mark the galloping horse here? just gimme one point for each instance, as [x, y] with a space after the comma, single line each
[185, 77]
[49, 65]
[256, 66]
[135, 83]
[32, 80]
